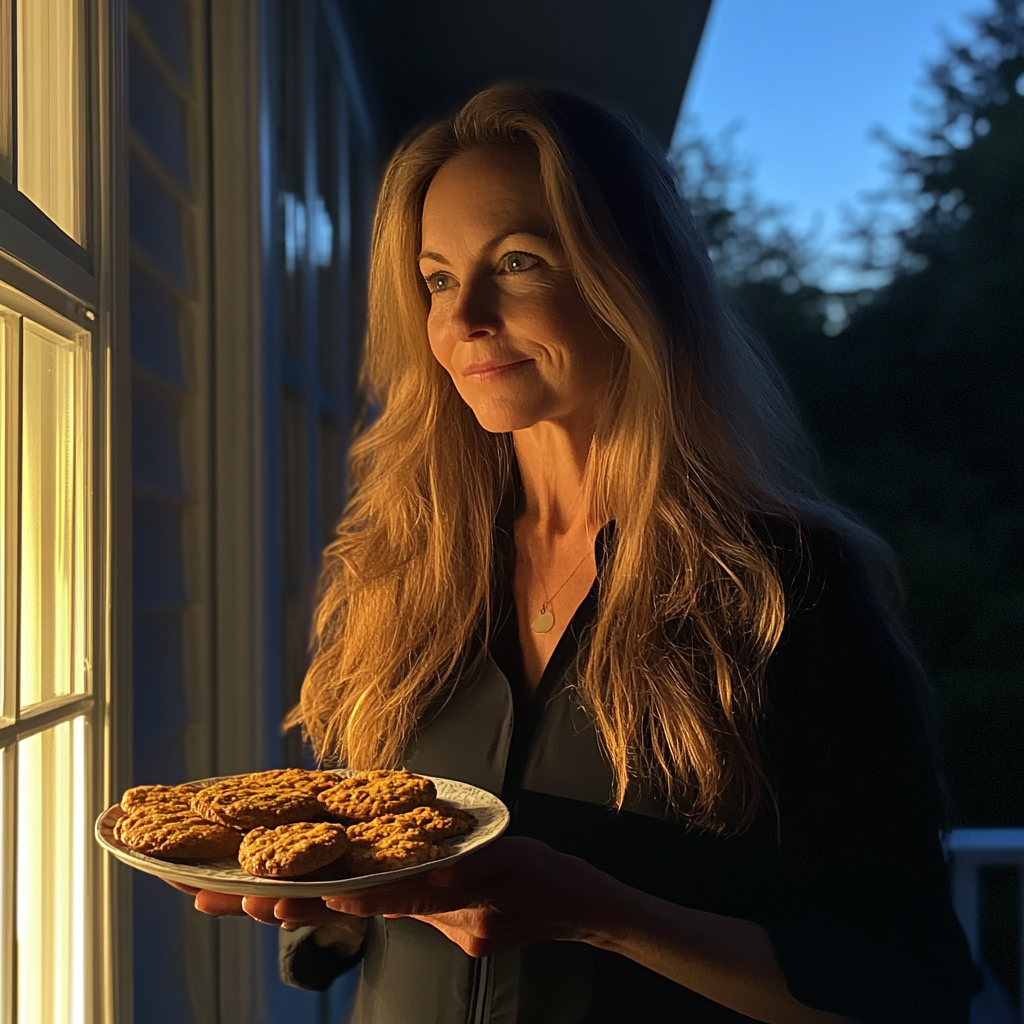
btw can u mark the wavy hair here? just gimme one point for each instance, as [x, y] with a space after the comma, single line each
[696, 444]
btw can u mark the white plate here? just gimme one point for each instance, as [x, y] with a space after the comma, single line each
[224, 874]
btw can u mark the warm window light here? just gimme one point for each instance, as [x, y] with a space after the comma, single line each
[46, 779]
[51, 111]
[52, 892]
[51, 535]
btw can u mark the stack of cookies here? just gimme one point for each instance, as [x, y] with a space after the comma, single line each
[297, 824]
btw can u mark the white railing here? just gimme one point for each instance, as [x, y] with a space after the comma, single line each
[968, 849]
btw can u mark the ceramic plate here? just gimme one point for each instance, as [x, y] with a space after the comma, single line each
[224, 875]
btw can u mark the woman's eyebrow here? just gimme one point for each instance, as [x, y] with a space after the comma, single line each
[496, 240]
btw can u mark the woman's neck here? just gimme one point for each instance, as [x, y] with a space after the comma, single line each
[552, 464]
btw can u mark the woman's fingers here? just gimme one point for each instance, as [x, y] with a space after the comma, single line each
[261, 908]
[219, 904]
[300, 913]
[290, 914]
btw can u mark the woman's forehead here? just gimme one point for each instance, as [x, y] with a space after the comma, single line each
[486, 186]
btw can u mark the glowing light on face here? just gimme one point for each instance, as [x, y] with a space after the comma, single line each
[507, 319]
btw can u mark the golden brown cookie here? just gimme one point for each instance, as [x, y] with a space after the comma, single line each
[290, 850]
[166, 797]
[266, 799]
[294, 778]
[435, 822]
[175, 834]
[393, 852]
[367, 795]
[440, 821]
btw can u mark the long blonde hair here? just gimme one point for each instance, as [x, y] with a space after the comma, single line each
[697, 442]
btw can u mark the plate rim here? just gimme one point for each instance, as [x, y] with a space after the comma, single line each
[284, 888]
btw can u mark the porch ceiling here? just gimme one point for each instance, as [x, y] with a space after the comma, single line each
[423, 59]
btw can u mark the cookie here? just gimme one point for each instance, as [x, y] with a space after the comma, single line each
[290, 850]
[163, 796]
[367, 795]
[175, 834]
[391, 853]
[440, 821]
[295, 778]
[434, 823]
[264, 799]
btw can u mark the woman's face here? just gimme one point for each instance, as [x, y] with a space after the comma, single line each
[507, 320]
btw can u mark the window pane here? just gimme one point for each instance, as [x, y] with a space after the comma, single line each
[52, 858]
[54, 567]
[51, 111]
[8, 509]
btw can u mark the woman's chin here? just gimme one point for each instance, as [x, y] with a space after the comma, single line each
[503, 420]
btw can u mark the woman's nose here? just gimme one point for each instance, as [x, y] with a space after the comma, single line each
[476, 313]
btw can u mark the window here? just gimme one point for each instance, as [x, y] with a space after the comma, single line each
[53, 512]
[48, 708]
[55, 635]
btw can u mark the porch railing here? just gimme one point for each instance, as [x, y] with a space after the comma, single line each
[967, 850]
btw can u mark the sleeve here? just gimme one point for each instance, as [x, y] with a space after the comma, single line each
[304, 964]
[860, 915]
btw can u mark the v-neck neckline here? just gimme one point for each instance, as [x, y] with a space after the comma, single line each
[505, 648]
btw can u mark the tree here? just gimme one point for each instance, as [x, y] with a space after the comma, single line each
[923, 422]
[912, 391]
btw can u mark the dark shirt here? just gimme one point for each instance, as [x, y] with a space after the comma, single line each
[848, 881]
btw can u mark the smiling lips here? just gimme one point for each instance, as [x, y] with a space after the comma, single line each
[493, 369]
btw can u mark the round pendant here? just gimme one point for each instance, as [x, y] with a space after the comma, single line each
[543, 622]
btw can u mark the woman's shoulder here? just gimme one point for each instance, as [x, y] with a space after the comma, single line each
[815, 559]
[844, 675]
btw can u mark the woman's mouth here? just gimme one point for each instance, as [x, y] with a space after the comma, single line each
[493, 369]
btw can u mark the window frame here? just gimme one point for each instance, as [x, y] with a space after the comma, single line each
[46, 275]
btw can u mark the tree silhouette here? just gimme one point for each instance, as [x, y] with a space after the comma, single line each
[912, 391]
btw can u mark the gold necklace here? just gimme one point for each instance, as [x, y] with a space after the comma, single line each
[545, 619]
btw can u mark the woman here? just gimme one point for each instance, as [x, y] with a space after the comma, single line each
[583, 566]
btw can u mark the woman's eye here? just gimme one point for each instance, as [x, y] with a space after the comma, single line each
[438, 281]
[517, 262]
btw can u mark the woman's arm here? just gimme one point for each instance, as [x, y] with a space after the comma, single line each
[726, 959]
[519, 891]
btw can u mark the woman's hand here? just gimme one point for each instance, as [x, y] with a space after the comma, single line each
[332, 928]
[519, 891]
[511, 893]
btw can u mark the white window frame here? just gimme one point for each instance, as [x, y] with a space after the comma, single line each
[44, 276]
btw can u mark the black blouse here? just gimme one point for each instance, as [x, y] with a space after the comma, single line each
[849, 881]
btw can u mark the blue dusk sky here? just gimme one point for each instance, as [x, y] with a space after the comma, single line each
[807, 81]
